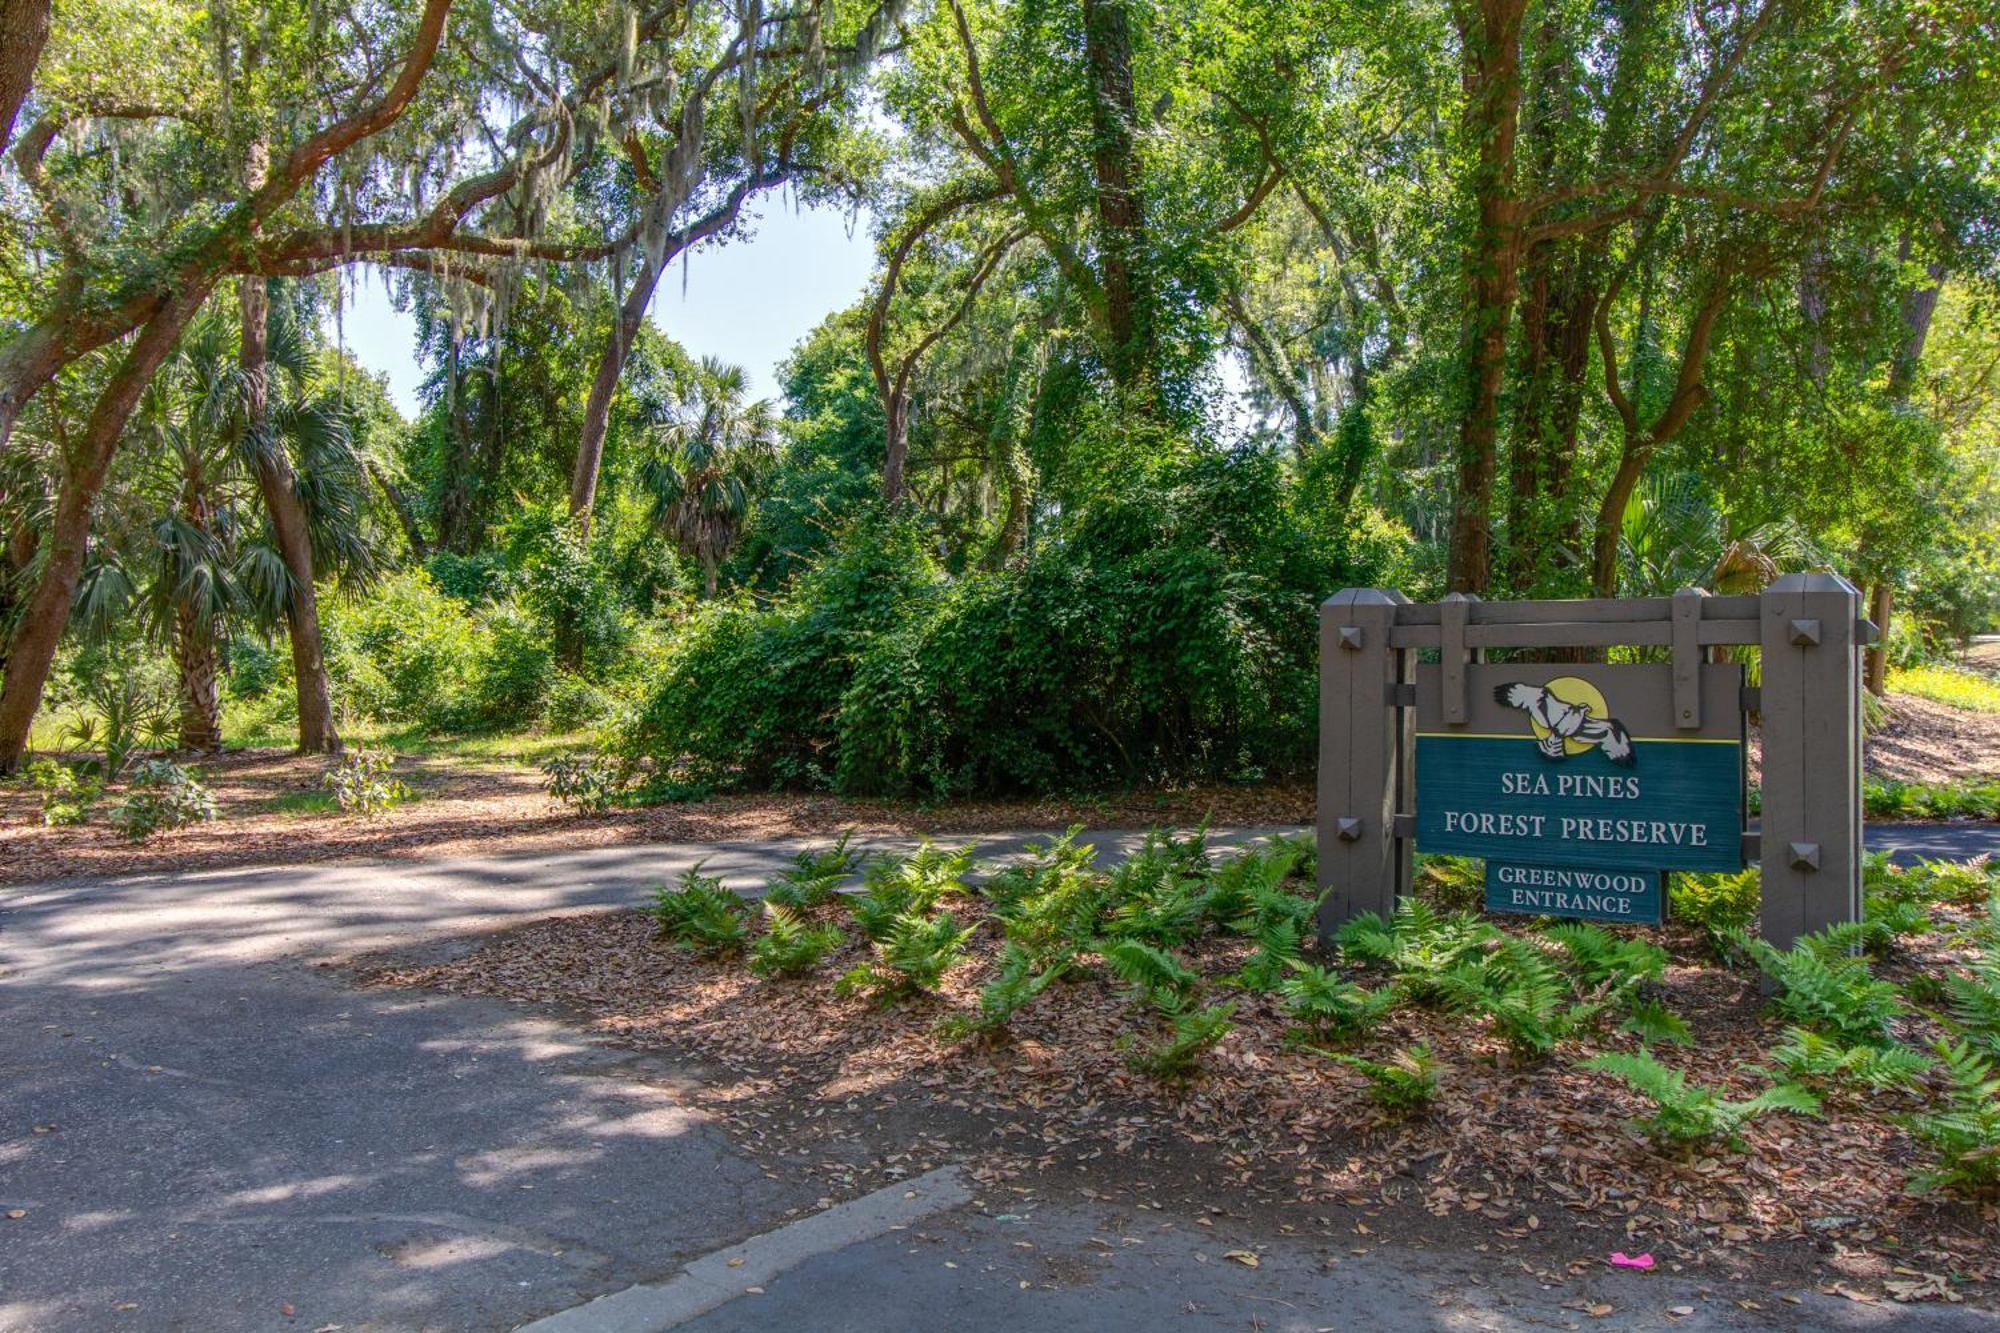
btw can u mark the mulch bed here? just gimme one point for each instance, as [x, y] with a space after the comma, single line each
[1535, 1163]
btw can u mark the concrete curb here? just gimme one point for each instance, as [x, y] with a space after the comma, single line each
[722, 1276]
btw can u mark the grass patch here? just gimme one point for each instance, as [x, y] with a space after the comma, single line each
[300, 803]
[1953, 687]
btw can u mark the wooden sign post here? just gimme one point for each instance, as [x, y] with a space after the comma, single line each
[1582, 786]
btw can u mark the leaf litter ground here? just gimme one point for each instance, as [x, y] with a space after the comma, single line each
[1534, 1164]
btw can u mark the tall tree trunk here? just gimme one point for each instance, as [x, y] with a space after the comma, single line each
[399, 504]
[1121, 219]
[597, 408]
[32, 648]
[196, 670]
[1875, 664]
[1493, 102]
[896, 436]
[1561, 295]
[24, 29]
[200, 725]
[275, 481]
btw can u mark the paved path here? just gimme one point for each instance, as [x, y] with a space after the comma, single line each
[201, 1128]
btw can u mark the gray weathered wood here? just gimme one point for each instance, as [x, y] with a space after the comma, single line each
[1581, 634]
[1364, 742]
[1598, 610]
[1687, 657]
[1811, 700]
[1453, 614]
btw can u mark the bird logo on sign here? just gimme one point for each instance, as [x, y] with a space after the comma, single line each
[1569, 716]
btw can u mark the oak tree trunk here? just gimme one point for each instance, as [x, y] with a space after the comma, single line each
[1875, 663]
[1121, 221]
[1493, 102]
[32, 647]
[597, 408]
[24, 29]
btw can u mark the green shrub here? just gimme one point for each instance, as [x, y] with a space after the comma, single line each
[1053, 903]
[1451, 883]
[161, 795]
[1685, 1112]
[360, 782]
[1194, 1035]
[912, 954]
[586, 783]
[1965, 1131]
[67, 797]
[790, 945]
[573, 703]
[1521, 991]
[701, 914]
[566, 592]
[1951, 686]
[1404, 1084]
[515, 671]
[404, 652]
[1974, 799]
[255, 668]
[1419, 943]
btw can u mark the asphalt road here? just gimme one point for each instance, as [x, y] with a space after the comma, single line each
[202, 1129]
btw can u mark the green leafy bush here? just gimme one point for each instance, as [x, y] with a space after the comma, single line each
[161, 795]
[1721, 905]
[360, 782]
[1685, 1112]
[701, 914]
[1195, 1034]
[912, 954]
[1965, 1131]
[67, 797]
[405, 652]
[791, 946]
[1975, 799]
[586, 783]
[1052, 904]
[1404, 1084]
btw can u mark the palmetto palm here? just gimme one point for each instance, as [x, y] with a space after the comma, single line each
[193, 553]
[711, 450]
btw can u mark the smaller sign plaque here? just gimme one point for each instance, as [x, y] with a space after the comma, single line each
[1637, 897]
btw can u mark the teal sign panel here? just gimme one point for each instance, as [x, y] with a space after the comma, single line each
[1670, 805]
[1637, 897]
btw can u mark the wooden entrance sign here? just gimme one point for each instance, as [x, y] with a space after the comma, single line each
[1581, 785]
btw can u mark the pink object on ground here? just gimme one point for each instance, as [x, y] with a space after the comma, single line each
[1620, 1259]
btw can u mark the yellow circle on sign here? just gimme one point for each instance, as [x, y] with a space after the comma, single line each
[1576, 691]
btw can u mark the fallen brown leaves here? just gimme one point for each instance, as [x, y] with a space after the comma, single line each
[1537, 1158]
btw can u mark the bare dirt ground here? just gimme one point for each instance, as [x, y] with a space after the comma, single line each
[467, 808]
[1924, 741]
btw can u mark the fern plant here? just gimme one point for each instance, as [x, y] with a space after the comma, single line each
[1815, 1061]
[1240, 884]
[911, 958]
[1974, 1000]
[1020, 979]
[1402, 1085]
[791, 946]
[1820, 987]
[908, 886]
[700, 914]
[1685, 1112]
[1151, 901]
[1332, 1008]
[1195, 1033]
[1051, 904]
[1965, 1131]
[814, 878]
[1522, 991]
[1156, 976]
[1419, 943]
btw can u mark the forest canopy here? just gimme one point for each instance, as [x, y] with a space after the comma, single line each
[1183, 316]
